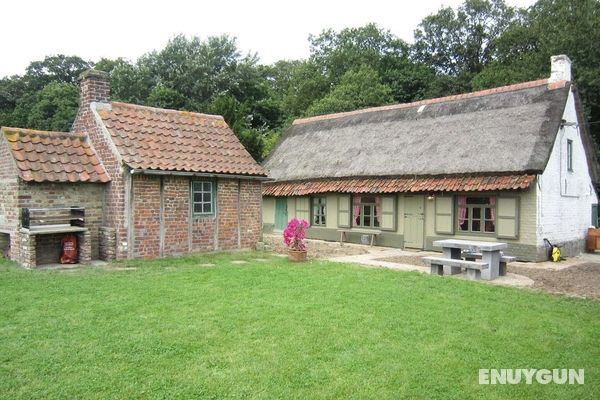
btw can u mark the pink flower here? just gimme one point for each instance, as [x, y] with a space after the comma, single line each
[295, 233]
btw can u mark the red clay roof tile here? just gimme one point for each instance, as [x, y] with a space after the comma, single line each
[169, 140]
[399, 185]
[43, 156]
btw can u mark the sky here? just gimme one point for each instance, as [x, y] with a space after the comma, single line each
[275, 30]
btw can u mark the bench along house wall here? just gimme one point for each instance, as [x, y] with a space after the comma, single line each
[137, 172]
[537, 172]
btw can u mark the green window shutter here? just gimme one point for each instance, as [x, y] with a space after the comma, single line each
[344, 211]
[595, 215]
[388, 213]
[444, 215]
[507, 217]
[303, 208]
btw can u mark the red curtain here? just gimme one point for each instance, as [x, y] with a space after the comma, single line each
[355, 209]
[462, 209]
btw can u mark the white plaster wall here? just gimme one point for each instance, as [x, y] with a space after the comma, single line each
[565, 198]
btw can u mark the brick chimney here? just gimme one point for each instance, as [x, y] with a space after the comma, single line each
[94, 87]
[560, 68]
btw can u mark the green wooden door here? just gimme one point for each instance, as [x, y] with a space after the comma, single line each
[414, 219]
[281, 213]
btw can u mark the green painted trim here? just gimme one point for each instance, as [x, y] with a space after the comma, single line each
[394, 214]
[349, 212]
[515, 218]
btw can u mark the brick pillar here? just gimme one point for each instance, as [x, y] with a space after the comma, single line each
[108, 243]
[84, 240]
[28, 251]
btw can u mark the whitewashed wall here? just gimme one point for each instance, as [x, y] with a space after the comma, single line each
[565, 198]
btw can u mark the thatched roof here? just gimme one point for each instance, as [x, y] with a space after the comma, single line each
[499, 131]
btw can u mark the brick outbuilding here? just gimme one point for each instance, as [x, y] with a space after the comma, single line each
[151, 182]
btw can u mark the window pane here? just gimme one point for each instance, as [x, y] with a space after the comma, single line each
[464, 226]
[488, 213]
[476, 226]
[367, 209]
[206, 197]
[206, 186]
[197, 197]
[196, 186]
[207, 208]
[323, 220]
[197, 208]
[477, 212]
[316, 220]
[490, 226]
[375, 222]
[367, 220]
[367, 199]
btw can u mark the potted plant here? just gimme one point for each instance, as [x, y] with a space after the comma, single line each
[293, 237]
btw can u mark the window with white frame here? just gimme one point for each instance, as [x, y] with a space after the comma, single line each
[202, 197]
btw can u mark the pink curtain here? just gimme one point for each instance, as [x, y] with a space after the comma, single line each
[355, 209]
[493, 208]
[378, 209]
[462, 209]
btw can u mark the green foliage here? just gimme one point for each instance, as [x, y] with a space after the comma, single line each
[357, 89]
[55, 107]
[165, 97]
[462, 42]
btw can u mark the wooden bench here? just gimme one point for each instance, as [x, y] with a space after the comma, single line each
[469, 256]
[372, 232]
[473, 267]
[58, 219]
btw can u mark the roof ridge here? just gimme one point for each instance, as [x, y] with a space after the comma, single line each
[168, 110]
[501, 89]
[9, 129]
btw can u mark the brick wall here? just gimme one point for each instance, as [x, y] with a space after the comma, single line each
[146, 216]
[87, 195]
[172, 232]
[176, 203]
[8, 188]
[227, 208]
[251, 208]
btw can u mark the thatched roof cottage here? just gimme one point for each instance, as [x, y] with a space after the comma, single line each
[514, 164]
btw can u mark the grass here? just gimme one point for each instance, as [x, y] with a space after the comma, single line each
[271, 329]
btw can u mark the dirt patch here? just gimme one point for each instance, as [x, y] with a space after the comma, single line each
[582, 280]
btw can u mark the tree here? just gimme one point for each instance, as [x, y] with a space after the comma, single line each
[58, 68]
[165, 97]
[357, 89]
[462, 42]
[552, 27]
[54, 107]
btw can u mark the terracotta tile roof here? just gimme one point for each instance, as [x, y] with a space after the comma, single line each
[400, 185]
[43, 156]
[169, 140]
[501, 89]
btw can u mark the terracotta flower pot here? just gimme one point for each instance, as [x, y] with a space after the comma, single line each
[297, 255]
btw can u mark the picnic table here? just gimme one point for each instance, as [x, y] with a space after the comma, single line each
[490, 255]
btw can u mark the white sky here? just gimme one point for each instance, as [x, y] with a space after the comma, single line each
[111, 28]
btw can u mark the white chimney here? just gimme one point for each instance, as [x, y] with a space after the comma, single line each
[560, 68]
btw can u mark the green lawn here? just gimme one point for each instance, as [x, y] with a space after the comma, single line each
[272, 329]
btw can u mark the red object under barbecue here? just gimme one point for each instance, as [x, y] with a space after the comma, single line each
[69, 250]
